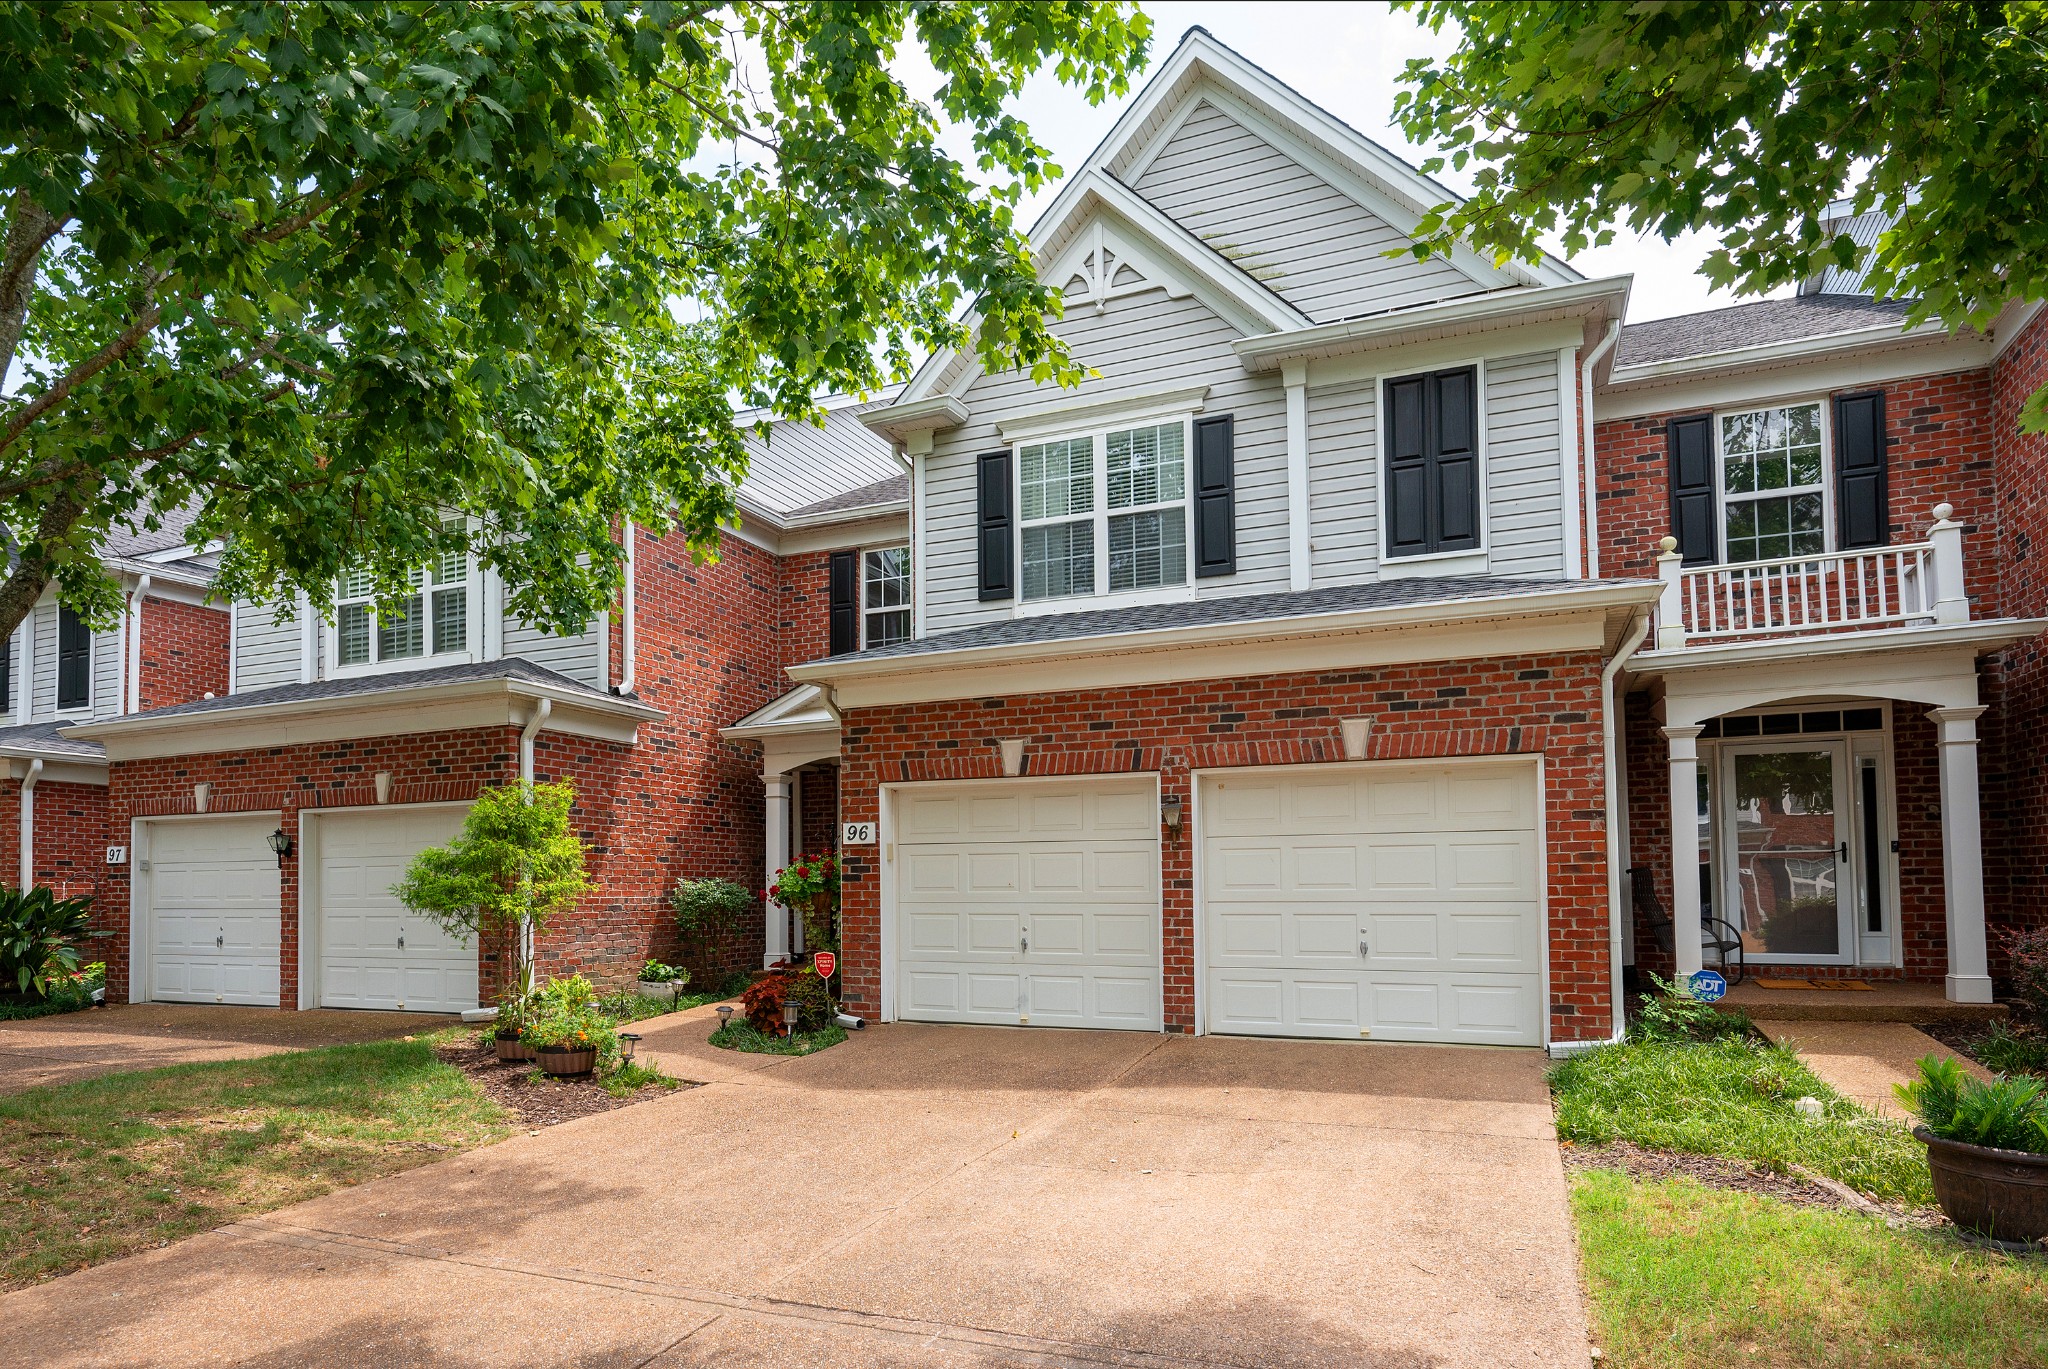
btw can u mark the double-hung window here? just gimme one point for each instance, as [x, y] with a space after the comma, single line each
[885, 596]
[1105, 513]
[434, 621]
[1773, 483]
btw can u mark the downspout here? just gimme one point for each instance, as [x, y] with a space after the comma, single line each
[1592, 475]
[131, 701]
[28, 823]
[628, 616]
[1609, 751]
[532, 729]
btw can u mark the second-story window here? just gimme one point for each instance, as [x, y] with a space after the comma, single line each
[74, 661]
[1773, 483]
[433, 622]
[885, 597]
[1123, 492]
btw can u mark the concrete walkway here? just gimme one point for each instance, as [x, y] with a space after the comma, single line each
[144, 1036]
[1863, 1060]
[917, 1196]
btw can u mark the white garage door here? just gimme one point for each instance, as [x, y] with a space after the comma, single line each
[213, 911]
[1396, 902]
[374, 953]
[1028, 902]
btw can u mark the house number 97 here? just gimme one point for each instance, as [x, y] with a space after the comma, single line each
[857, 834]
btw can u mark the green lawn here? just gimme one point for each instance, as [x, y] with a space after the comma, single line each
[103, 1167]
[1682, 1275]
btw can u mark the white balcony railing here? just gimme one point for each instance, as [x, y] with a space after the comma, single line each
[1918, 582]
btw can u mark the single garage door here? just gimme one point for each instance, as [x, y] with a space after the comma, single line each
[1030, 902]
[1396, 902]
[374, 953]
[213, 911]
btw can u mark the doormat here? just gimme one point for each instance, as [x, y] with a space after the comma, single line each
[1764, 981]
[1836, 985]
[1855, 985]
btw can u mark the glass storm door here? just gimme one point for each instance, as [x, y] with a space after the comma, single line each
[1788, 826]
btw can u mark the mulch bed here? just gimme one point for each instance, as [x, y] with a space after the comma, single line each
[536, 1099]
[1958, 1034]
[1640, 1162]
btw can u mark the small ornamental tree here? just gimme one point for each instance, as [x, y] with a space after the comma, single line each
[513, 867]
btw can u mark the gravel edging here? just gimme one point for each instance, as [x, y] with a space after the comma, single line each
[536, 1099]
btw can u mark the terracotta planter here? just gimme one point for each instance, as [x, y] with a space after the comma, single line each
[511, 1050]
[2002, 1194]
[566, 1062]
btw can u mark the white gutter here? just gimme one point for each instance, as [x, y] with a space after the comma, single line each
[1592, 474]
[131, 688]
[28, 823]
[532, 729]
[629, 617]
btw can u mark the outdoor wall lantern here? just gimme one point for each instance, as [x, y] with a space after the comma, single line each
[281, 843]
[1169, 816]
[630, 1041]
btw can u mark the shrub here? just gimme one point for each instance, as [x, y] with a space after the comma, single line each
[764, 999]
[2007, 1051]
[2028, 952]
[654, 972]
[2007, 1114]
[1674, 1014]
[705, 907]
[37, 935]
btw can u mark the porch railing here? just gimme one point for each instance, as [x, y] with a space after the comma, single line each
[1917, 582]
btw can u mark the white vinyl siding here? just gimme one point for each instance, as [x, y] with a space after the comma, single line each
[1143, 343]
[44, 690]
[267, 651]
[1316, 247]
[1524, 493]
[1343, 477]
[574, 656]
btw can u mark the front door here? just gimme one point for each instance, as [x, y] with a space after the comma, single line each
[1786, 871]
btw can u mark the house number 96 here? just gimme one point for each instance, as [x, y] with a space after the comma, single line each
[857, 834]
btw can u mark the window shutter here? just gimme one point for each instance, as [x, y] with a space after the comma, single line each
[1215, 498]
[1693, 501]
[7, 676]
[1862, 477]
[74, 660]
[1432, 463]
[997, 527]
[844, 592]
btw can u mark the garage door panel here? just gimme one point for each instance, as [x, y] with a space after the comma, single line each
[374, 951]
[215, 930]
[1069, 870]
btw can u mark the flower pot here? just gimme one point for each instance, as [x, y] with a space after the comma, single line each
[663, 989]
[564, 1062]
[2002, 1194]
[511, 1050]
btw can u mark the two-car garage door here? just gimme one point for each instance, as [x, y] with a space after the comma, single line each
[215, 925]
[1395, 902]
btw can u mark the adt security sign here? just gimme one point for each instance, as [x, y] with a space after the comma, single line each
[1708, 986]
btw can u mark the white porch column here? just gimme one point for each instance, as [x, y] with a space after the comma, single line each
[1962, 855]
[776, 823]
[1685, 850]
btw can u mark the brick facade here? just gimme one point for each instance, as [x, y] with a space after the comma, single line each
[1532, 706]
[70, 856]
[184, 652]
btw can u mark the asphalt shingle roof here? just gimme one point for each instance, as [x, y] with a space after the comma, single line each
[1245, 608]
[509, 668]
[46, 739]
[1755, 324]
[890, 489]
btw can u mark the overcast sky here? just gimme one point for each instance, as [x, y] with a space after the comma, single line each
[1346, 57]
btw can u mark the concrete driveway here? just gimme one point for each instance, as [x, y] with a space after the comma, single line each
[145, 1036]
[917, 1196]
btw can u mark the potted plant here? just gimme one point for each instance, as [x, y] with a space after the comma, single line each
[707, 908]
[39, 933]
[514, 866]
[662, 981]
[1987, 1148]
[565, 1029]
[809, 887]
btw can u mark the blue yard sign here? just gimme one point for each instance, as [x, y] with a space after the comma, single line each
[1708, 986]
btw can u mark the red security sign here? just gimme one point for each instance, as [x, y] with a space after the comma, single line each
[826, 963]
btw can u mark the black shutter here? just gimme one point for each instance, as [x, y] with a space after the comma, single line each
[844, 592]
[7, 676]
[1432, 463]
[1862, 480]
[1693, 502]
[997, 527]
[1215, 498]
[74, 660]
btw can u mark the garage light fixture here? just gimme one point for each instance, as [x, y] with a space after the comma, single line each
[1169, 816]
[281, 843]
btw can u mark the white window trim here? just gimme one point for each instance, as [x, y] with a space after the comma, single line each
[472, 635]
[1465, 560]
[1827, 473]
[1099, 516]
[860, 589]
